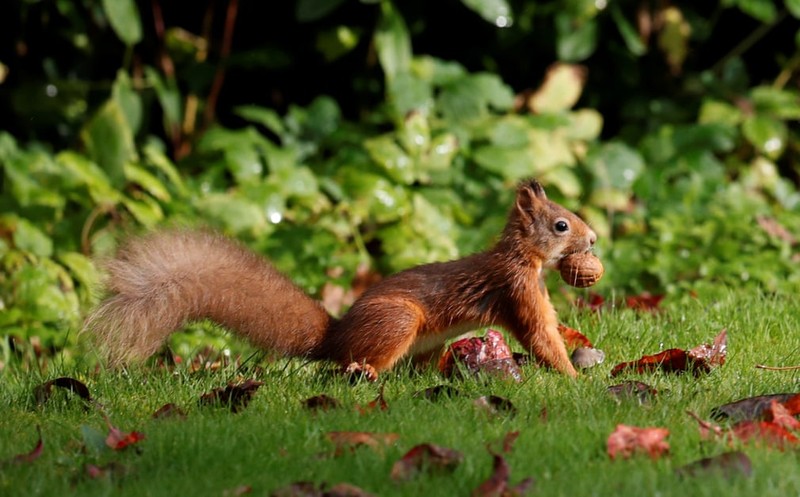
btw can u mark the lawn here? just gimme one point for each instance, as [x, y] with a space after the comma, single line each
[276, 440]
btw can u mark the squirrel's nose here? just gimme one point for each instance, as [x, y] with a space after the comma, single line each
[592, 238]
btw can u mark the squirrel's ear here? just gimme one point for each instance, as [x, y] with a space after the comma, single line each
[529, 194]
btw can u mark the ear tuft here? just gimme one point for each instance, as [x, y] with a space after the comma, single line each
[528, 194]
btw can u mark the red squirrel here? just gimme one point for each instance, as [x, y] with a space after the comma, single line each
[159, 282]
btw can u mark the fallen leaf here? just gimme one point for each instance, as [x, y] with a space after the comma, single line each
[626, 441]
[489, 354]
[711, 355]
[763, 433]
[425, 457]
[700, 359]
[169, 411]
[378, 403]
[594, 303]
[780, 415]
[497, 483]
[706, 428]
[240, 490]
[495, 405]
[776, 230]
[310, 489]
[437, 392]
[237, 396]
[350, 440]
[321, 402]
[644, 302]
[43, 392]
[508, 441]
[573, 338]
[729, 464]
[633, 389]
[95, 472]
[118, 439]
[750, 407]
[32, 455]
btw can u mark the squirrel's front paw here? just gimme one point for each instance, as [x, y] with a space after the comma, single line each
[358, 370]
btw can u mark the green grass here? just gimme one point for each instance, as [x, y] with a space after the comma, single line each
[275, 441]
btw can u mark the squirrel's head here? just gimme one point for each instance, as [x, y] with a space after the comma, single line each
[545, 229]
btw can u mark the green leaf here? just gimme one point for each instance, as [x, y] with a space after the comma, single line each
[312, 10]
[30, 238]
[585, 125]
[783, 104]
[793, 6]
[138, 175]
[471, 97]
[128, 99]
[29, 176]
[323, 117]
[238, 215]
[393, 42]
[83, 270]
[616, 165]
[155, 156]
[391, 158]
[88, 174]
[109, 141]
[407, 93]
[169, 97]
[373, 197]
[337, 41]
[628, 32]
[767, 135]
[715, 111]
[263, 116]
[497, 12]
[145, 210]
[763, 10]
[576, 38]
[510, 163]
[561, 89]
[415, 134]
[123, 15]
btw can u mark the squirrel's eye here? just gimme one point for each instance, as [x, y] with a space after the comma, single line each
[561, 226]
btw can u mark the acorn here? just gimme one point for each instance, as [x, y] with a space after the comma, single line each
[581, 270]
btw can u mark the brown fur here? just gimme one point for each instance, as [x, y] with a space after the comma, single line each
[162, 281]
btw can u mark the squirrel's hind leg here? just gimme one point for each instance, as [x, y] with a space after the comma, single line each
[377, 332]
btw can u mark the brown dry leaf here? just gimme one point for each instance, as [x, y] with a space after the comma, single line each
[237, 396]
[43, 392]
[729, 464]
[706, 428]
[240, 490]
[168, 411]
[633, 389]
[495, 405]
[751, 407]
[310, 489]
[425, 457]
[350, 440]
[437, 392]
[708, 356]
[379, 403]
[490, 354]
[626, 441]
[321, 402]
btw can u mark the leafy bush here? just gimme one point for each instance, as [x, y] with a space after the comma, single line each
[674, 137]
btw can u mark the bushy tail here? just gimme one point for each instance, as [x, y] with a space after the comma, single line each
[159, 282]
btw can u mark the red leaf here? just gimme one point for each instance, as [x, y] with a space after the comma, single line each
[699, 359]
[33, 455]
[595, 302]
[644, 302]
[496, 484]
[628, 440]
[706, 428]
[754, 407]
[378, 403]
[669, 360]
[770, 434]
[425, 457]
[118, 439]
[490, 354]
[778, 414]
[574, 338]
